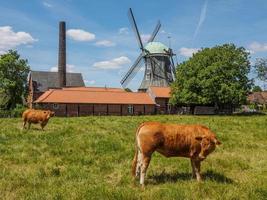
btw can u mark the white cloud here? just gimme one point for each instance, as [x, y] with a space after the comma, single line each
[10, 39]
[105, 43]
[70, 68]
[257, 47]
[80, 35]
[90, 82]
[145, 37]
[123, 31]
[187, 52]
[46, 4]
[115, 63]
[201, 18]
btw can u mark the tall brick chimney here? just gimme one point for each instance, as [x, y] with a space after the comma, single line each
[62, 55]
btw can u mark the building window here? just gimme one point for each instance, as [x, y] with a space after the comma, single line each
[130, 109]
[55, 106]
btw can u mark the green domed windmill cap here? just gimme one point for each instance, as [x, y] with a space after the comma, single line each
[156, 47]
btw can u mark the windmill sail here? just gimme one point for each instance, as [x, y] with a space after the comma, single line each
[135, 29]
[155, 32]
[132, 71]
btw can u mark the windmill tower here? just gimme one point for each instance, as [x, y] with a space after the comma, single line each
[157, 57]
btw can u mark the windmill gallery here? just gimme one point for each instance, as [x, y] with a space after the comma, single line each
[65, 93]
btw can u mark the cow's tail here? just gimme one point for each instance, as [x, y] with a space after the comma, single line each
[134, 163]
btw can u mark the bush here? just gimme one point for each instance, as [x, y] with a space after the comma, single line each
[5, 113]
[16, 112]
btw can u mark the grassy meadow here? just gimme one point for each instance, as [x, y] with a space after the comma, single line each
[90, 158]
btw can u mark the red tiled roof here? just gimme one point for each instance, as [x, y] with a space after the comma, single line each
[162, 92]
[95, 89]
[97, 97]
[258, 97]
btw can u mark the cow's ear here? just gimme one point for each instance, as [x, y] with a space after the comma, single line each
[198, 138]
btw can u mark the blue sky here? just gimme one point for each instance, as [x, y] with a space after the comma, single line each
[100, 41]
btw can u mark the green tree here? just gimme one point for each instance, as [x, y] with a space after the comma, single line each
[13, 76]
[256, 88]
[261, 69]
[213, 76]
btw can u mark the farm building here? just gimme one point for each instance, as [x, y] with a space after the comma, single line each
[83, 101]
[41, 81]
[258, 98]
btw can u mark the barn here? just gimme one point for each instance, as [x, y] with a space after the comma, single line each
[41, 81]
[84, 101]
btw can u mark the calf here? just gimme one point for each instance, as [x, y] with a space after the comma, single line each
[36, 116]
[192, 141]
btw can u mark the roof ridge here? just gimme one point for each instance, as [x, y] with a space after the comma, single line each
[95, 91]
[50, 92]
[55, 72]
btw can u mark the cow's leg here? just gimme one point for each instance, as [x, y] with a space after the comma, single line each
[145, 162]
[43, 124]
[29, 125]
[197, 168]
[193, 168]
[24, 124]
[139, 163]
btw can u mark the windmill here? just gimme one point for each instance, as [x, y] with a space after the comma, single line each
[157, 58]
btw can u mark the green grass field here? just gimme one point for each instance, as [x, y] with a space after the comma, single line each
[90, 158]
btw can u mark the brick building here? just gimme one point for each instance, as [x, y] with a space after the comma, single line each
[41, 81]
[161, 96]
[83, 101]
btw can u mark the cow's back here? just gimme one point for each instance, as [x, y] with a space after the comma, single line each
[35, 116]
[26, 113]
[172, 139]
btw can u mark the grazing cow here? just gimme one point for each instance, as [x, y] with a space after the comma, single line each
[36, 116]
[192, 141]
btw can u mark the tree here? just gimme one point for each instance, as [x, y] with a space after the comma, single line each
[261, 69]
[256, 88]
[213, 76]
[13, 76]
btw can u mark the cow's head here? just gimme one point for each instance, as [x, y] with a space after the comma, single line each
[49, 114]
[52, 113]
[208, 145]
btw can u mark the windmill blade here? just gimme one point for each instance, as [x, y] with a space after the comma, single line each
[172, 67]
[155, 32]
[135, 29]
[132, 71]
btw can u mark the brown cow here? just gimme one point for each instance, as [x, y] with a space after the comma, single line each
[192, 141]
[36, 116]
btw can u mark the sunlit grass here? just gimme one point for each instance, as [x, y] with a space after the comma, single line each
[90, 158]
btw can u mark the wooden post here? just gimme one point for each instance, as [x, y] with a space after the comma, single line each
[93, 109]
[66, 110]
[144, 108]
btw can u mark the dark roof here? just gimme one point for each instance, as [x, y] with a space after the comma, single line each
[45, 80]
